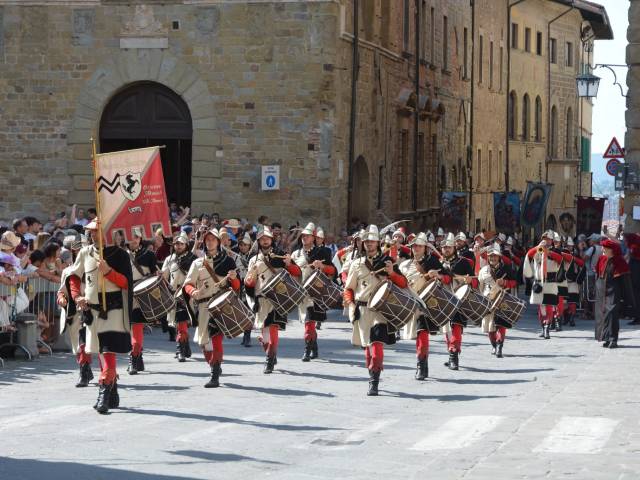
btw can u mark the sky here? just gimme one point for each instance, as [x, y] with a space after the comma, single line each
[609, 106]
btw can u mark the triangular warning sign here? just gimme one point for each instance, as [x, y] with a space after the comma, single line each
[614, 150]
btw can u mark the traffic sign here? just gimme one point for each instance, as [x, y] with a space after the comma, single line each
[614, 150]
[270, 177]
[612, 166]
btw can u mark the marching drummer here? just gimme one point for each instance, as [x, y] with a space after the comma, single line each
[209, 275]
[494, 277]
[174, 270]
[311, 258]
[143, 265]
[420, 270]
[263, 266]
[370, 330]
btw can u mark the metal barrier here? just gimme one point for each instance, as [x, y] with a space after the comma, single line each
[7, 293]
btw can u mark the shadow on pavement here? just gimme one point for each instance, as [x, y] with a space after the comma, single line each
[441, 398]
[278, 391]
[221, 457]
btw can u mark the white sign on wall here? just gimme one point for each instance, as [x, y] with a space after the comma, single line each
[270, 177]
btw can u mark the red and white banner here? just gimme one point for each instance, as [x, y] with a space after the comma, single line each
[132, 194]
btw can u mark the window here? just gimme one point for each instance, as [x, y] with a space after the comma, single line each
[569, 54]
[512, 115]
[553, 143]
[553, 50]
[406, 23]
[569, 140]
[490, 64]
[465, 45]
[501, 66]
[538, 43]
[445, 43]
[480, 168]
[525, 118]
[480, 59]
[538, 120]
[514, 36]
[432, 30]
[527, 40]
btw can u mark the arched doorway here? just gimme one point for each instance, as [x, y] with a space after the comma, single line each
[146, 114]
[360, 208]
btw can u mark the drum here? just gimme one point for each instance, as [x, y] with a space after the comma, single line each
[284, 292]
[230, 314]
[441, 304]
[473, 305]
[154, 297]
[508, 308]
[394, 304]
[323, 291]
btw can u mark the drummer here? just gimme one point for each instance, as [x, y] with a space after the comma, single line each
[493, 277]
[420, 270]
[370, 329]
[174, 270]
[143, 265]
[263, 266]
[243, 249]
[457, 271]
[209, 275]
[310, 258]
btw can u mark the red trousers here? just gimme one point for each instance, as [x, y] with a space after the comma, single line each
[498, 336]
[83, 357]
[454, 340]
[137, 338]
[560, 307]
[108, 374]
[215, 356]
[182, 332]
[422, 344]
[545, 314]
[270, 344]
[310, 332]
[374, 356]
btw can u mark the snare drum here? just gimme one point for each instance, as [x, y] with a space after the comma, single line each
[473, 305]
[394, 304]
[230, 314]
[323, 291]
[154, 298]
[441, 304]
[508, 309]
[284, 292]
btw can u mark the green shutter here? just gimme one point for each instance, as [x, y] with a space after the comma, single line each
[585, 148]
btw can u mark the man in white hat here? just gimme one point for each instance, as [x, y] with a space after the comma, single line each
[143, 266]
[492, 277]
[174, 270]
[575, 276]
[439, 236]
[457, 271]
[108, 329]
[208, 276]
[370, 330]
[419, 270]
[463, 248]
[243, 249]
[563, 284]
[263, 266]
[541, 264]
[309, 258]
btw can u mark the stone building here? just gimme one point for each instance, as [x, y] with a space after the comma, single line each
[549, 127]
[632, 138]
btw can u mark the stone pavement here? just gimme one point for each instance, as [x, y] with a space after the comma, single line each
[560, 408]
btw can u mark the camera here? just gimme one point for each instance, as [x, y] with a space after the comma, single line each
[536, 287]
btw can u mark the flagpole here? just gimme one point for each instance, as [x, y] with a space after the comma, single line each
[99, 215]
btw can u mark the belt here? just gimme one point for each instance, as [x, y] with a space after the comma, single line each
[114, 302]
[551, 277]
[203, 300]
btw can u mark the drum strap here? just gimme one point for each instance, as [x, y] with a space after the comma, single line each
[136, 264]
[210, 271]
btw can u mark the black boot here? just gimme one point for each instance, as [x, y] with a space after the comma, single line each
[306, 357]
[546, 332]
[140, 365]
[246, 339]
[172, 334]
[453, 361]
[314, 349]
[572, 320]
[269, 364]
[177, 354]
[104, 398]
[542, 334]
[182, 352]
[558, 325]
[318, 325]
[85, 375]
[374, 380]
[187, 349]
[214, 382]
[613, 343]
[422, 369]
[133, 364]
[114, 399]
[493, 348]
[499, 350]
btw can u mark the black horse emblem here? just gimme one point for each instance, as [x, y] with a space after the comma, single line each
[131, 185]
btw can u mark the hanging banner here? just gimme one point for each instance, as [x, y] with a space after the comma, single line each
[566, 222]
[506, 211]
[453, 211]
[535, 203]
[589, 214]
[132, 194]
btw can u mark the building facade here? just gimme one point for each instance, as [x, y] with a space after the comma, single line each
[632, 138]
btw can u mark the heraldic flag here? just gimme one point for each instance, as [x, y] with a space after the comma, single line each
[132, 194]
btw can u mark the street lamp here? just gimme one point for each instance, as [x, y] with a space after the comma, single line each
[587, 85]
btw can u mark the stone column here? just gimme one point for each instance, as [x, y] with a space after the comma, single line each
[632, 138]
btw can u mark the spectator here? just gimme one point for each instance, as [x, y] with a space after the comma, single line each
[263, 220]
[278, 242]
[41, 240]
[80, 218]
[9, 241]
[175, 212]
[330, 243]
[91, 214]
[33, 228]
[20, 229]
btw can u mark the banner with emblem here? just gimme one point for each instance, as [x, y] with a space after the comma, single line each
[132, 193]
[589, 215]
[506, 211]
[534, 204]
[453, 208]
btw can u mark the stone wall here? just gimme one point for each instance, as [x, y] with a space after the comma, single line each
[632, 138]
